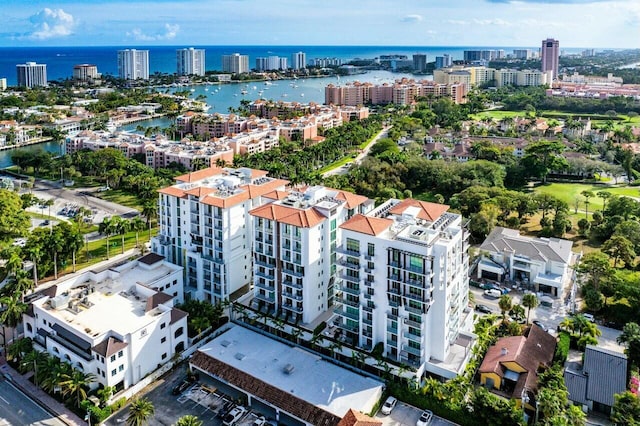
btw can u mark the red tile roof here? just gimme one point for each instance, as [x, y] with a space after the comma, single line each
[199, 175]
[276, 195]
[428, 211]
[109, 346]
[307, 218]
[367, 225]
[356, 418]
[173, 191]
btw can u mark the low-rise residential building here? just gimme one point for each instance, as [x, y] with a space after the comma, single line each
[119, 323]
[403, 282]
[292, 385]
[510, 367]
[593, 382]
[206, 227]
[541, 264]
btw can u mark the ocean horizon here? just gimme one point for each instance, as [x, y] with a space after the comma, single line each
[61, 59]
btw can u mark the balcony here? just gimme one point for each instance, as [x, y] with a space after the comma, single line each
[412, 336]
[346, 326]
[267, 275]
[413, 351]
[355, 280]
[394, 263]
[264, 263]
[368, 321]
[292, 284]
[368, 257]
[350, 265]
[292, 308]
[415, 283]
[347, 252]
[391, 315]
[393, 290]
[293, 272]
[351, 290]
[392, 343]
[368, 282]
[292, 296]
[412, 323]
[413, 310]
[264, 298]
[339, 311]
[265, 286]
[392, 329]
[416, 297]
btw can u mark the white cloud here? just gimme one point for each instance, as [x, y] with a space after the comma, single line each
[456, 22]
[494, 22]
[51, 23]
[169, 33]
[412, 18]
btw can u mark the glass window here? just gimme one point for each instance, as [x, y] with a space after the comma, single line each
[371, 249]
[353, 245]
[113, 358]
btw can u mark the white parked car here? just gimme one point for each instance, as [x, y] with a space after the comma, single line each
[234, 415]
[425, 418]
[589, 317]
[388, 405]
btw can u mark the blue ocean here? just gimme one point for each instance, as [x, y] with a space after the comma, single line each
[60, 60]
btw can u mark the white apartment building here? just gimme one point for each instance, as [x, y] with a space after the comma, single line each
[190, 61]
[294, 246]
[403, 282]
[133, 64]
[236, 63]
[32, 74]
[118, 323]
[298, 60]
[206, 227]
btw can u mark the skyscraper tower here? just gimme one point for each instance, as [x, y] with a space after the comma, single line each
[550, 54]
[298, 60]
[32, 74]
[133, 64]
[190, 61]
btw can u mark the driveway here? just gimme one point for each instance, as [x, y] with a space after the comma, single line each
[343, 169]
[407, 415]
[18, 409]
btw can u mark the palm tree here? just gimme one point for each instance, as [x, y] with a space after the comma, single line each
[587, 194]
[189, 420]
[34, 361]
[12, 313]
[55, 243]
[35, 254]
[22, 283]
[107, 228]
[529, 301]
[122, 226]
[150, 211]
[48, 203]
[19, 349]
[76, 384]
[137, 224]
[505, 303]
[140, 411]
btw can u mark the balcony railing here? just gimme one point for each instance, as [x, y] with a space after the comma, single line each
[340, 311]
[265, 286]
[265, 298]
[292, 308]
[412, 336]
[292, 284]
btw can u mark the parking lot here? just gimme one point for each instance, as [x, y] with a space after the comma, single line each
[199, 400]
[407, 415]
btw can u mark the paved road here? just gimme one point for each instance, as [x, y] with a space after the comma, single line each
[342, 170]
[18, 409]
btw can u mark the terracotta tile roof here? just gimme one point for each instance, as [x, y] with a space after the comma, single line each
[109, 346]
[200, 191]
[307, 218]
[199, 175]
[276, 195]
[177, 315]
[281, 399]
[352, 200]
[173, 191]
[367, 225]
[225, 202]
[265, 188]
[531, 351]
[428, 211]
[356, 418]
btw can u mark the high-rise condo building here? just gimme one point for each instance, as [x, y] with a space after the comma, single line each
[403, 282]
[190, 61]
[206, 227]
[85, 72]
[443, 61]
[419, 62]
[32, 74]
[295, 240]
[236, 63]
[133, 64]
[298, 60]
[550, 54]
[522, 53]
[271, 63]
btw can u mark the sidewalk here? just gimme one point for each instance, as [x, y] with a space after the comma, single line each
[39, 396]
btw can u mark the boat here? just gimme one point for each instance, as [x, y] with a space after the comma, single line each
[284, 95]
[244, 92]
[302, 95]
[192, 90]
[254, 87]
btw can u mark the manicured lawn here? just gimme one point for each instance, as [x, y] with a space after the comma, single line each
[120, 197]
[569, 192]
[498, 114]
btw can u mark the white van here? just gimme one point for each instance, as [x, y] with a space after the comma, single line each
[492, 292]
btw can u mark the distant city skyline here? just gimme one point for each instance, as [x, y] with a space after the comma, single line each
[576, 23]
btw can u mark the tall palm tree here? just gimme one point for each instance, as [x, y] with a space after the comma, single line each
[122, 226]
[12, 313]
[137, 224]
[189, 420]
[75, 385]
[150, 211]
[35, 254]
[140, 411]
[529, 301]
[22, 283]
[505, 303]
[19, 349]
[33, 361]
[107, 229]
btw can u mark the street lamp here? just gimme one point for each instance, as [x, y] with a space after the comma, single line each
[87, 418]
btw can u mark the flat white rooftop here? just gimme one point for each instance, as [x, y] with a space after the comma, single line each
[296, 371]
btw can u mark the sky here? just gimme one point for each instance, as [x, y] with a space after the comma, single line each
[576, 23]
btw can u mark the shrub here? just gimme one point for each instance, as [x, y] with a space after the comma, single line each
[562, 348]
[118, 404]
[377, 351]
